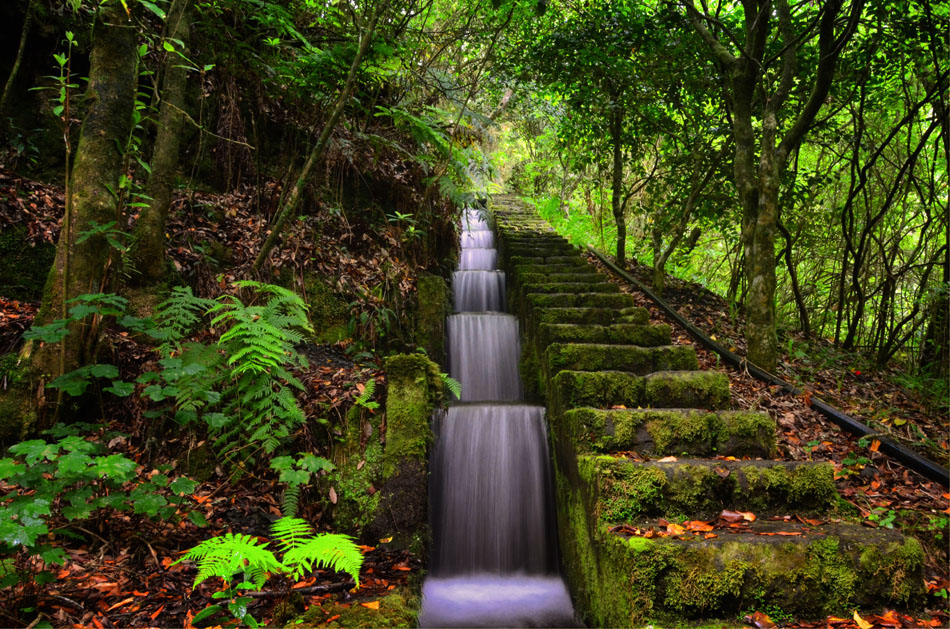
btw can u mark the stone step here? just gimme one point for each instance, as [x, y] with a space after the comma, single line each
[573, 260]
[826, 570]
[664, 432]
[546, 268]
[633, 492]
[623, 334]
[663, 389]
[565, 287]
[570, 277]
[631, 358]
[617, 301]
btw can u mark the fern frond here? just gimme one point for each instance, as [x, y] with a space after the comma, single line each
[291, 501]
[291, 532]
[453, 385]
[231, 554]
[329, 550]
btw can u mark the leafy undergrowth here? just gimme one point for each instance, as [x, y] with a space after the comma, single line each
[116, 568]
[884, 493]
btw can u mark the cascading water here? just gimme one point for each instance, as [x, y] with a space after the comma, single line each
[494, 562]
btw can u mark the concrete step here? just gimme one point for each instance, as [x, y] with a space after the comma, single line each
[664, 432]
[664, 389]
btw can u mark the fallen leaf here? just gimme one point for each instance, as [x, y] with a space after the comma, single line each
[875, 445]
[332, 618]
[861, 621]
[386, 540]
[332, 495]
[748, 516]
[731, 516]
[155, 613]
[371, 605]
[667, 459]
[304, 583]
[760, 620]
[788, 533]
[697, 525]
[709, 536]
[675, 529]
[121, 603]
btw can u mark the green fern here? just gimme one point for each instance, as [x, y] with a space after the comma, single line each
[291, 501]
[259, 343]
[291, 532]
[453, 385]
[330, 550]
[232, 554]
[177, 316]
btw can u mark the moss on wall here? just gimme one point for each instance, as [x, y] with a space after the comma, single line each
[23, 267]
[432, 306]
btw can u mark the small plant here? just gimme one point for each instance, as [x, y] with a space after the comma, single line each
[297, 474]
[884, 518]
[453, 385]
[243, 563]
[74, 479]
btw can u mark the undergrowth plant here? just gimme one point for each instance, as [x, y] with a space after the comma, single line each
[243, 563]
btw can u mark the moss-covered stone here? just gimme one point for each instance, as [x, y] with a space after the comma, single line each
[702, 489]
[23, 267]
[576, 316]
[675, 358]
[574, 260]
[578, 300]
[687, 389]
[597, 357]
[17, 410]
[399, 608]
[565, 287]
[604, 389]
[432, 306]
[328, 311]
[625, 334]
[561, 278]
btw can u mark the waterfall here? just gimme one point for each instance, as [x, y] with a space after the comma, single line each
[494, 559]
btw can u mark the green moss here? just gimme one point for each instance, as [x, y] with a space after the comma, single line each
[603, 389]
[745, 433]
[894, 570]
[640, 544]
[675, 432]
[328, 311]
[17, 412]
[687, 389]
[805, 486]
[578, 300]
[432, 307]
[399, 608]
[543, 261]
[565, 287]
[675, 358]
[414, 390]
[829, 572]
[627, 491]
[625, 334]
[24, 268]
[597, 357]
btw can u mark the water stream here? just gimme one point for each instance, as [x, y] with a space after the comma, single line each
[494, 559]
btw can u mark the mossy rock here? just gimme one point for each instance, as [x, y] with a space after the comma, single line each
[578, 300]
[564, 287]
[623, 334]
[23, 267]
[543, 261]
[561, 278]
[576, 316]
[603, 356]
[701, 489]
[671, 432]
[687, 389]
[603, 389]
[433, 305]
[328, 311]
[399, 608]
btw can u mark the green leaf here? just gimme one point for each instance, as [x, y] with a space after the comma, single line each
[198, 519]
[167, 46]
[153, 8]
[115, 466]
[295, 477]
[147, 502]
[120, 388]
[182, 486]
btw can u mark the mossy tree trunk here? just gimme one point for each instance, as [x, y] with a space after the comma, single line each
[148, 248]
[82, 267]
[616, 189]
[757, 94]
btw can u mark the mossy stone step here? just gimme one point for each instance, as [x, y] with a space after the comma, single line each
[573, 260]
[665, 432]
[828, 570]
[566, 287]
[664, 389]
[595, 316]
[533, 239]
[546, 268]
[571, 277]
[579, 300]
[623, 334]
[632, 358]
[632, 492]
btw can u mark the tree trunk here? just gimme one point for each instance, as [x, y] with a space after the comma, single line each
[616, 138]
[24, 34]
[148, 244]
[81, 267]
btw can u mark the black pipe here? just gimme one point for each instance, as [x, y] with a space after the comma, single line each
[905, 456]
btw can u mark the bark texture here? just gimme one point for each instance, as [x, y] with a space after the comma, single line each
[148, 247]
[82, 267]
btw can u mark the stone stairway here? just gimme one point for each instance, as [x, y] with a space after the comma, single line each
[640, 434]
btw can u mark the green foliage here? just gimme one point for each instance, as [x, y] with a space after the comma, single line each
[74, 479]
[243, 562]
[297, 474]
[453, 385]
